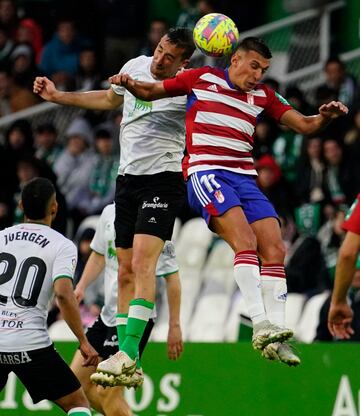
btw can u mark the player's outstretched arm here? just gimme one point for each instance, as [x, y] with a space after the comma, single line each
[311, 124]
[340, 314]
[70, 311]
[91, 100]
[174, 341]
[147, 91]
[93, 267]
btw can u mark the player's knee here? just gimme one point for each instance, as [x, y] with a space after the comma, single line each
[75, 399]
[275, 253]
[143, 266]
[125, 276]
[245, 242]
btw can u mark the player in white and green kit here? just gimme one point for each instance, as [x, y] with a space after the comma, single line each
[35, 263]
[105, 332]
[150, 190]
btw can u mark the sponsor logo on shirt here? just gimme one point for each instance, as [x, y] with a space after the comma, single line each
[155, 204]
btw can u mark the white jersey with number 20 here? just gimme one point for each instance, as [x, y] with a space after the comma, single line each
[32, 257]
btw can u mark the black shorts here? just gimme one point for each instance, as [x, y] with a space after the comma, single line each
[147, 204]
[104, 338]
[43, 372]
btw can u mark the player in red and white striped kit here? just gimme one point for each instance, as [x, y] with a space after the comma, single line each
[223, 106]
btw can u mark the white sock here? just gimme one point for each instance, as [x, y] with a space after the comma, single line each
[247, 276]
[274, 292]
[79, 411]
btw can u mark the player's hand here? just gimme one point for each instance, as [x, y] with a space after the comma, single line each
[123, 80]
[333, 109]
[44, 87]
[174, 342]
[79, 293]
[91, 357]
[339, 320]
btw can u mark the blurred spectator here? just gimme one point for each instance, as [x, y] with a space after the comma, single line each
[8, 17]
[330, 236]
[14, 97]
[352, 137]
[297, 99]
[23, 69]
[100, 189]
[47, 146]
[269, 181]
[27, 168]
[30, 32]
[60, 56]
[5, 87]
[342, 173]
[189, 14]
[305, 266]
[344, 85]
[7, 189]
[310, 183]
[263, 138]
[272, 83]
[88, 75]
[124, 24]
[158, 28]
[6, 47]
[75, 164]
[286, 150]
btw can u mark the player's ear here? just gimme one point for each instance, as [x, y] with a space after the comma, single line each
[21, 206]
[184, 64]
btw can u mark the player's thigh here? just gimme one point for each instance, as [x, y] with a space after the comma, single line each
[125, 212]
[233, 227]
[46, 375]
[160, 198]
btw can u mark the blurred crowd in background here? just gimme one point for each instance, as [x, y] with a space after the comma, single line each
[311, 181]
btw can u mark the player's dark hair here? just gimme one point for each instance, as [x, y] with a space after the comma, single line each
[35, 198]
[182, 38]
[255, 44]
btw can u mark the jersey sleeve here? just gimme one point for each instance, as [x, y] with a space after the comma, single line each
[182, 83]
[118, 90]
[352, 220]
[65, 261]
[276, 105]
[98, 242]
[167, 263]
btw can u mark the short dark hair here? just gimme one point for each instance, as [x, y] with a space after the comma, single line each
[35, 198]
[335, 60]
[255, 44]
[182, 38]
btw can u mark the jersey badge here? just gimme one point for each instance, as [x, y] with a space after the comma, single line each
[219, 196]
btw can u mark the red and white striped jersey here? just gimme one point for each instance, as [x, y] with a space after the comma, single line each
[221, 120]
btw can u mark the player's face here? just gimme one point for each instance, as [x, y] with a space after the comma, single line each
[247, 69]
[167, 59]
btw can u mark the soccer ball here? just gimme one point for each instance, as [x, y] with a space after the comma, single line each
[216, 35]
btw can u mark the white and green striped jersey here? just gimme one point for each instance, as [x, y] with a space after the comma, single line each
[32, 257]
[104, 243]
[152, 136]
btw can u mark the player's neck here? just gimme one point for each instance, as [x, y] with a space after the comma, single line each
[43, 221]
